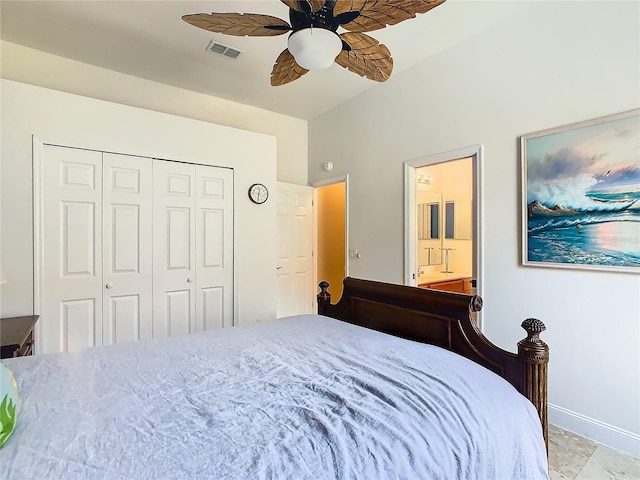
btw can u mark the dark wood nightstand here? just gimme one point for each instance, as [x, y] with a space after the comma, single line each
[16, 336]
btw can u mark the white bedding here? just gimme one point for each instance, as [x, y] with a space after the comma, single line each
[304, 397]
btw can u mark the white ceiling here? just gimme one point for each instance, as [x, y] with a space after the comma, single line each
[148, 39]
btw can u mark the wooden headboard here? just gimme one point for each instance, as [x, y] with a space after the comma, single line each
[445, 319]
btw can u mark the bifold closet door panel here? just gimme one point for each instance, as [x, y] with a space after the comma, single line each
[127, 254]
[214, 248]
[133, 248]
[71, 263]
[173, 248]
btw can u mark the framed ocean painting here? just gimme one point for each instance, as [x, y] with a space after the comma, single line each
[581, 195]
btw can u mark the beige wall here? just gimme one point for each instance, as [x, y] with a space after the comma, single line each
[31, 66]
[555, 64]
[331, 236]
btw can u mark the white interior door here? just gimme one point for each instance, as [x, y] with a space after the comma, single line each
[132, 248]
[192, 248]
[173, 249]
[127, 258]
[296, 289]
[214, 247]
[71, 308]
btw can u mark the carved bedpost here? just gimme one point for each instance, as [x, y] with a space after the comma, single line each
[534, 355]
[324, 297]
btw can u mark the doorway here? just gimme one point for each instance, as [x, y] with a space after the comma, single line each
[331, 200]
[442, 221]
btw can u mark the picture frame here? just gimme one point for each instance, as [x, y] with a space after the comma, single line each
[581, 195]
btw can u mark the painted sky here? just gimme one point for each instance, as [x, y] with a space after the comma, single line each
[563, 167]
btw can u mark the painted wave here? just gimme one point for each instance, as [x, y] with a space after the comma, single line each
[537, 209]
[585, 227]
[577, 221]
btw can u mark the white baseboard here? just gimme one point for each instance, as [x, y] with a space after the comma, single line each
[608, 435]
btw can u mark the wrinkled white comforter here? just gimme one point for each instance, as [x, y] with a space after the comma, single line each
[304, 397]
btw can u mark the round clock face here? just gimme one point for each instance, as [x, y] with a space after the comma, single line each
[258, 193]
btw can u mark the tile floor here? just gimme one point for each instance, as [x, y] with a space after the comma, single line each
[577, 458]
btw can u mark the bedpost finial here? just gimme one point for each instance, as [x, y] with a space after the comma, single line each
[324, 297]
[476, 303]
[533, 327]
[532, 349]
[534, 355]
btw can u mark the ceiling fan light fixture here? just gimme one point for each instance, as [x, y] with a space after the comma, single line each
[314, 43]
[314, 48]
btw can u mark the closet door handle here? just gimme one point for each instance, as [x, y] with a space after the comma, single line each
[188, 280]
[108, 285]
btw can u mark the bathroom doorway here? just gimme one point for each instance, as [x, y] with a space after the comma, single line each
[331, 201]
[442, 221]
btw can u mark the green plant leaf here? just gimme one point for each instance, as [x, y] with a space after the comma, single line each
[7, 418]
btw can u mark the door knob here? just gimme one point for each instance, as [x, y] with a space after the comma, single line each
[188, 280]
[108, 285]
[279, 267]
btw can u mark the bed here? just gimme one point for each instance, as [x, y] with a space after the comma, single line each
[391, 382]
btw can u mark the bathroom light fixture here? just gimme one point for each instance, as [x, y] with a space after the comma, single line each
[314, 48]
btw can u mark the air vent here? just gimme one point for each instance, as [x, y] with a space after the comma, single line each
[222, 49]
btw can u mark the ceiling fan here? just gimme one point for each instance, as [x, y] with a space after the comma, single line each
[314, 43]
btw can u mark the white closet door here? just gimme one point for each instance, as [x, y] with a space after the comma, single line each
[132, 248]
[296, 283]
[173, 249]
[71, 316]
[214, 248]
[127, 258]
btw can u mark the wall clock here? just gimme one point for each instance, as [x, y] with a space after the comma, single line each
[258, 193]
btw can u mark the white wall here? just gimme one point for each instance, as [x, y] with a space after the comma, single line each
[557, 63]
[67, 119]
[31, 66]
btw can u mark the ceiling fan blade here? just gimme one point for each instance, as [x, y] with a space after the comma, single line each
[286, 69]
[297, 5]
[239, 24]
[367, 57]
[376, 14]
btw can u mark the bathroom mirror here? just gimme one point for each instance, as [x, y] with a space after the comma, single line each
[429, 221]
[457, 220]
[430, 228]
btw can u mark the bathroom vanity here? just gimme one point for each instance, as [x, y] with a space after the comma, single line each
[447, 282]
